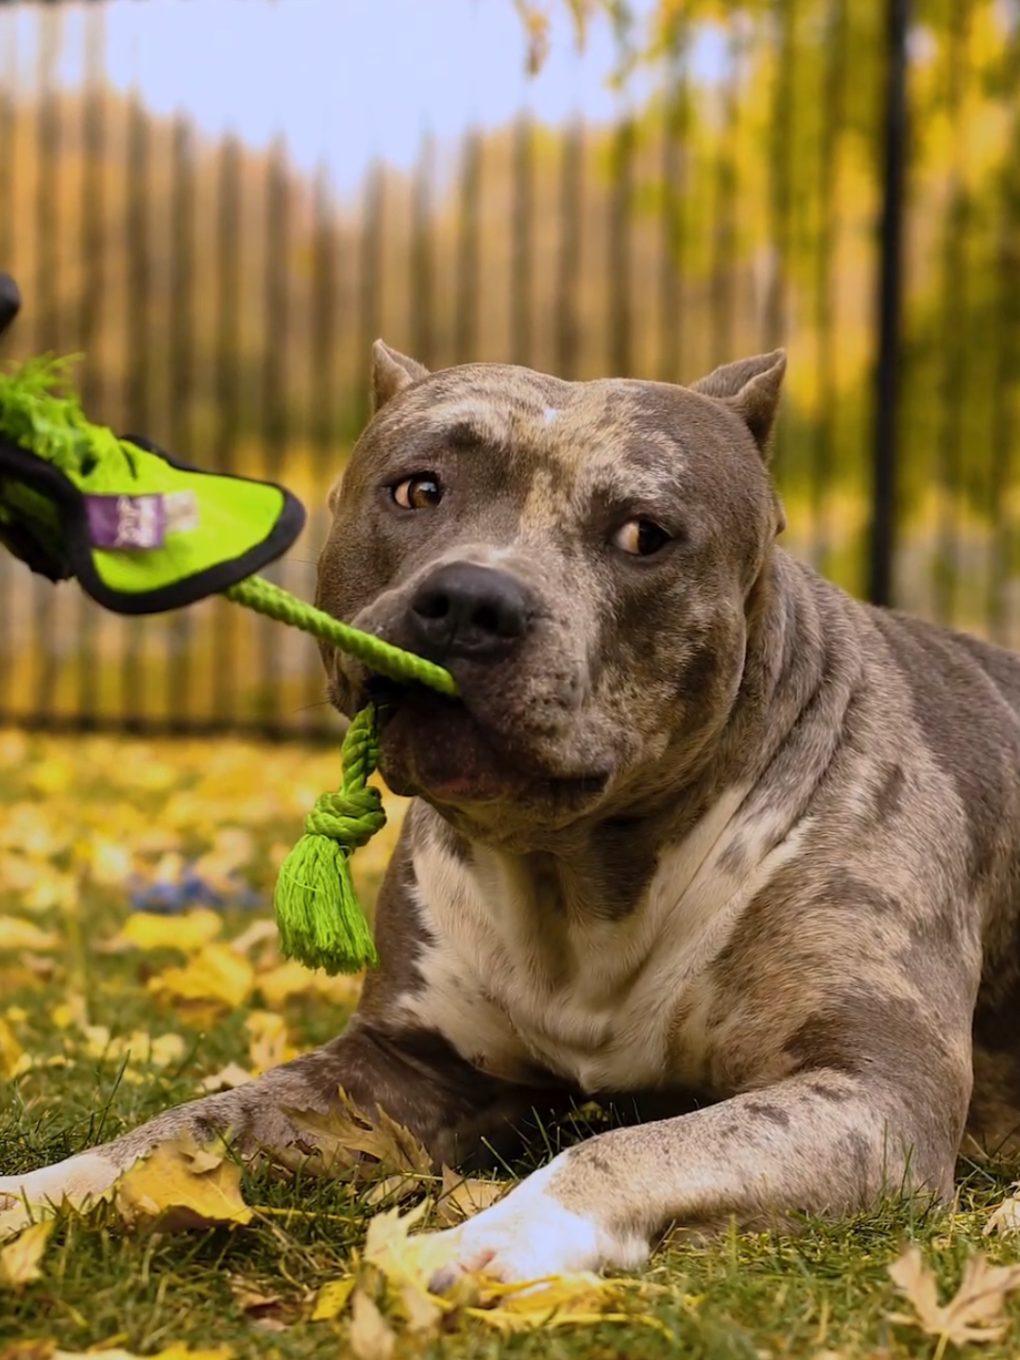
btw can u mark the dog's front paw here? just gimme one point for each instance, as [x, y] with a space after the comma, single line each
[530, 1235]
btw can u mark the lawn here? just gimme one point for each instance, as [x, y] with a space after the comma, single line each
[108, 1015]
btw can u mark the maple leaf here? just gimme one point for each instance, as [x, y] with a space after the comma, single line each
[343, 1137]
[181, 1185]
[19, 1260]
[974, 1313]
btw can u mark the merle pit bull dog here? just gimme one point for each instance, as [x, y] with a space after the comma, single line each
[702, 830]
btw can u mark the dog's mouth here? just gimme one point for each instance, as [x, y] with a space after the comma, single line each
[436, 747]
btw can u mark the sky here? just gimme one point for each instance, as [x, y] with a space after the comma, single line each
[342, 80]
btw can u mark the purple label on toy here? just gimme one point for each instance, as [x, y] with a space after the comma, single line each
[126, 521]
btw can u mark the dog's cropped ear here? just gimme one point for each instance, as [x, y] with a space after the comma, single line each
[751, 388]
[391, 373]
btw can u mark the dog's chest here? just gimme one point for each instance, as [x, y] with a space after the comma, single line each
[514, 988]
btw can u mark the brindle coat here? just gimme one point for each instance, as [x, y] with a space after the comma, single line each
[702, 830]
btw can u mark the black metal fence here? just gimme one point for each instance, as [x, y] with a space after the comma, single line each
[841, 178]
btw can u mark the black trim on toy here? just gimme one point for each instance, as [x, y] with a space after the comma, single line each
[70, 505]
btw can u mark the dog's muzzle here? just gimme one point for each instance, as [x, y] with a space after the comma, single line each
[462, 611]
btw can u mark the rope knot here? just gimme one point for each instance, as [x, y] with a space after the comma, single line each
[350, 817]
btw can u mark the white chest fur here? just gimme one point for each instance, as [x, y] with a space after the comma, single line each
[511, 988]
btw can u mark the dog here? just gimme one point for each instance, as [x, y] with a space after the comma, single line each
[702, 835]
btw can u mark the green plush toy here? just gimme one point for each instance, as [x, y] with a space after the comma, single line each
[144, 533]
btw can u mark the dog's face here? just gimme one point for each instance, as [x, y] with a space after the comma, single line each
[579, 555]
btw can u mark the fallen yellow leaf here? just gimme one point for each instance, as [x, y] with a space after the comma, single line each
[180, 1185]
[213, 983]
[269, 1045]
[188, 932]
[19, 1260]
[11, 1051]
[293, 979]
[18, 934]
[332, 1298]
[973, 1314]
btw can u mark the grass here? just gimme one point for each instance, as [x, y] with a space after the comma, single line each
[77, 816]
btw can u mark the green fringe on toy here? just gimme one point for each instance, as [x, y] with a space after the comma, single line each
[320, 920]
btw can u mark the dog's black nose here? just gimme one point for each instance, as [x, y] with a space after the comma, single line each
[463, 610]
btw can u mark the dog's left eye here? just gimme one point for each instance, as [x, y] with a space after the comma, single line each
[419, 492]
[640, 537]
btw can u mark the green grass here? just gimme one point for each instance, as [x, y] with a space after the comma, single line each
[745, 1296]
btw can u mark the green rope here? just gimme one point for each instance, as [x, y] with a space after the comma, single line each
[259, 594]
[317, 912]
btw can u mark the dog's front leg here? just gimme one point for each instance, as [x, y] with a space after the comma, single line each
[820, 1142]
[411, 1075]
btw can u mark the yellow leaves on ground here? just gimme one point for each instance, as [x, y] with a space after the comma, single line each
[180, 1185]
[47, 1350]
[11, 1052]
[214, 982]
[16, 933]
[390, 1292]
[973, 1314]
[150, 930]
[20, 1259]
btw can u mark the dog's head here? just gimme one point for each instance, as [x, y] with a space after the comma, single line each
[579, 555]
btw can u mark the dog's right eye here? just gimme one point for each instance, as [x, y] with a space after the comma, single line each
[420, 492]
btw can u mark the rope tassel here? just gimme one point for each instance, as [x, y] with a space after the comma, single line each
[318, 914]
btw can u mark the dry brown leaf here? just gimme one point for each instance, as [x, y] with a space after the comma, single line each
[19, 1260]
[180, 1185]
[272, 1311]
[973, 1314]
[1005, 1217]
[463, 1196]
[345, 1137]
[371, 1336]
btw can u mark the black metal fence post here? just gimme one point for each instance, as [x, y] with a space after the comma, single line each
[882, 546]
